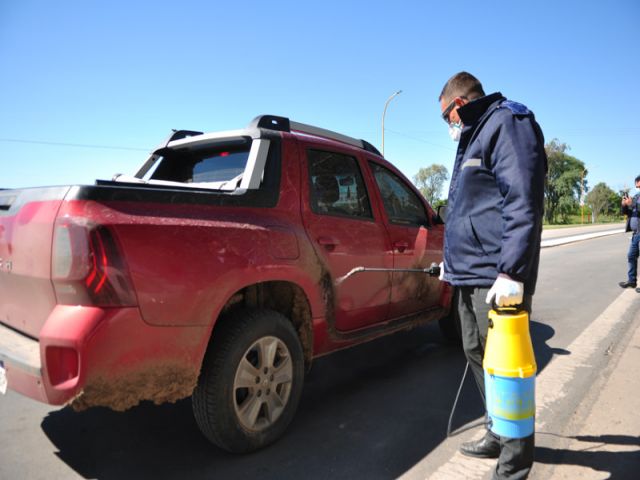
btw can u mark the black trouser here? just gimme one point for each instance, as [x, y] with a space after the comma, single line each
[516, 454]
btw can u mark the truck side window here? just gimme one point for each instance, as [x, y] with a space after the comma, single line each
[336, 185]
[401, 203]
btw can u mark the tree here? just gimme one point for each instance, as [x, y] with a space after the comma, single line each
[615, 203]
[564, 182]
[430, 181]
[600, 199]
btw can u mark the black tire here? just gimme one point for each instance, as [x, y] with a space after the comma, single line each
[224, 404]
[450, 325]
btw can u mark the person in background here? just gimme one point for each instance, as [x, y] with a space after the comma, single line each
[494, 224]
[631, 208]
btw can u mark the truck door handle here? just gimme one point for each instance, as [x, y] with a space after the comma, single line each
[400, 246]
[328, 242]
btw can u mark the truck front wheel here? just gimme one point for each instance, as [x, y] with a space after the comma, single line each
[251, 381]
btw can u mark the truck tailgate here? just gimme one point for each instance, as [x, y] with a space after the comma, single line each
[26, 233]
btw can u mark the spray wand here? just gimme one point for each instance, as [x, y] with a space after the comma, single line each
[433, 271]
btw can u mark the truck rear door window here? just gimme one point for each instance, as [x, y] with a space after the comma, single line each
[336, 184]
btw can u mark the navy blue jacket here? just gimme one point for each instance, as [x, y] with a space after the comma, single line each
[496, 196]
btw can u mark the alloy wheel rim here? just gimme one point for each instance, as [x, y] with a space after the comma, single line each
[262, 383]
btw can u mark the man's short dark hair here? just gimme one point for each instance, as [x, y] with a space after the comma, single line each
[638, 179]
[462, 84]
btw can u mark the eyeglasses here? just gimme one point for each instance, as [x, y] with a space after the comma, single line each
[450, 107]
[447, 111]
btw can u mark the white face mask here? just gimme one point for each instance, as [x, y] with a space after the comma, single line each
[455, 130]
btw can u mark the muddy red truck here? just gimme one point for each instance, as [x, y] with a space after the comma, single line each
[220, 271]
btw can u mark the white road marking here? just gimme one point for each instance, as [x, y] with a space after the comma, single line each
[551, 382]
[553, 242]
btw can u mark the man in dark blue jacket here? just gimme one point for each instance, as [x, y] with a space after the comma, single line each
[494, 223]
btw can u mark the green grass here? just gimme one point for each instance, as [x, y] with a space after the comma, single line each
[575, 221]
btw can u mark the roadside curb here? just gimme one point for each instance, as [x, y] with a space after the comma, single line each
[554, 242]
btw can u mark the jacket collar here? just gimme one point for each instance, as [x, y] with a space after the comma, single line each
[475, 109]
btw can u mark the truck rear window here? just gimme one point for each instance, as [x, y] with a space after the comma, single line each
[208, 166]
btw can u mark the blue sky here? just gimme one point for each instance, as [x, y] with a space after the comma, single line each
[102, 83]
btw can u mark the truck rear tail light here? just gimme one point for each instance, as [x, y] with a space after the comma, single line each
[88, 267]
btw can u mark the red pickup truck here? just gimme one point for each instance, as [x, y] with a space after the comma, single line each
[219, 270]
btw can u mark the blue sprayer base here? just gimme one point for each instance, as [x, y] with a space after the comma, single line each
[511, 405]
[512, 428]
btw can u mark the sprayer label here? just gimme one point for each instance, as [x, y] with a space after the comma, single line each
[510, 398]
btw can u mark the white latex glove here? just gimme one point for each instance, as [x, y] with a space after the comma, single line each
[506, 290]
[441, 276]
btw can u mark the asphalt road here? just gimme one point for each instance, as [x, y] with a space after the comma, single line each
[375, 411]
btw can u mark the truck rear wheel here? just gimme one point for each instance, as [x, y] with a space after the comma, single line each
[251, 381]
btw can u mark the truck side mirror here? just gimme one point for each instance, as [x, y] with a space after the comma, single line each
[441, 215]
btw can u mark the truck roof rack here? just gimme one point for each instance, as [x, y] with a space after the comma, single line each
[283, 124]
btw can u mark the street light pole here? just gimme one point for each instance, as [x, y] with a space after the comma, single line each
[384, 113]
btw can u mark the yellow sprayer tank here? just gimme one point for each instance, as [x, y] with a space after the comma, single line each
[510, 374]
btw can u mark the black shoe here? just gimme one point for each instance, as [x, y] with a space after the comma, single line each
[627, 284]
[638, 290]
[484, 448]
